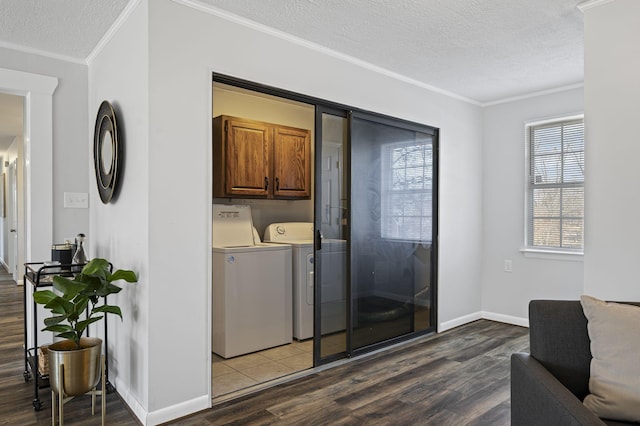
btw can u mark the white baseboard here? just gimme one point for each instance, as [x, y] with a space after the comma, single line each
[179, 410]
[456, 322]
[164, 414]
[137, 409]
[507, 319]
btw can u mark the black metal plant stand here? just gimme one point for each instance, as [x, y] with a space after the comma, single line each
[40, 275]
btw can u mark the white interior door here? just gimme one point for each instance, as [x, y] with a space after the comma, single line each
[12, 218]
[331, 189]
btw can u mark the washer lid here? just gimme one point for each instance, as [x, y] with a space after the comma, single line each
[232, 226]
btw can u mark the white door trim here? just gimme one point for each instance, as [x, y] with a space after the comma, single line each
[37, 157]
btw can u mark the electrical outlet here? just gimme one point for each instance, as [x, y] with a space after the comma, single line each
[508, 265]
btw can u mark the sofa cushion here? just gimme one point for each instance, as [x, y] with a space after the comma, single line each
[614, 384]
[560, 342]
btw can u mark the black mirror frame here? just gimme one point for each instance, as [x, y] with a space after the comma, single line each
[107, 181]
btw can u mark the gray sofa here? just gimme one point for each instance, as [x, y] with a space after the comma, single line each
[548, 385]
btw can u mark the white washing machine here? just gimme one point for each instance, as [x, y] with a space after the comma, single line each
[252, 287]
[300, 236]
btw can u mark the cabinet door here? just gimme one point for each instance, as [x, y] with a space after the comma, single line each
[247, 158]
[292, 156]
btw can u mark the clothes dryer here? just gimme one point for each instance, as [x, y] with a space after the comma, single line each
[300, 236]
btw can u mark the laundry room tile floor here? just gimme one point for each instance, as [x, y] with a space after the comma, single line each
[230, 375]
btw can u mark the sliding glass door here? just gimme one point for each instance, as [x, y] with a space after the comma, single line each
[393, 218]
[376, 231]
[331, 240]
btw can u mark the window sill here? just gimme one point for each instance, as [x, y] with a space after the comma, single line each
[552, 254]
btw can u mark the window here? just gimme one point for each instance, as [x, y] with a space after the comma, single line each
[407, 189]
[555, 213]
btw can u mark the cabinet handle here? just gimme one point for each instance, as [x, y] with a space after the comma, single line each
[277, 184]
[266, 183]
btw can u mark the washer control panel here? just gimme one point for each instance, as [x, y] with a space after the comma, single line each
[288, 231]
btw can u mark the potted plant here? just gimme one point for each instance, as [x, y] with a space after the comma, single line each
[73, 311]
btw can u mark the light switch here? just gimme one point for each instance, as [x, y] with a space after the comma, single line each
[76, 200]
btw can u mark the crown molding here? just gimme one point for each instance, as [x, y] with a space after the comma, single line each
[32, 51]
[119, 22]
[533, 94]
[206, 8]
[592, 3]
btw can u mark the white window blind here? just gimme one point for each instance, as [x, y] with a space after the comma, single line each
[407, 190]
[555, 214]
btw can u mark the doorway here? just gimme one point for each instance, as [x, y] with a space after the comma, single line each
[372, 264]
[11, 141]
[248, 347]
[36, 219]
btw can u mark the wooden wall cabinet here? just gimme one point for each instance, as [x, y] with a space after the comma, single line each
[253, 159]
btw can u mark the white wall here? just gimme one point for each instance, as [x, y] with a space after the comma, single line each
[119, 230]
[505, 296]
[185, 46]
[70, 150]
[612, 104]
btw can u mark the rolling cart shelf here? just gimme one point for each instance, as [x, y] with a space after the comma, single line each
[40, 275]
[42, 380]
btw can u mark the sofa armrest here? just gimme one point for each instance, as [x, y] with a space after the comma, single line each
[538, 398]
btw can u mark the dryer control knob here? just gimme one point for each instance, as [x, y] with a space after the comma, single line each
[280, 229]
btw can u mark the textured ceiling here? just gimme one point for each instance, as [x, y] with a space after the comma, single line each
[69, 28]
[485, 50]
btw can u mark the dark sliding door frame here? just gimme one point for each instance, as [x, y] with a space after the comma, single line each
[393, 122]
[324, 106]
[318, 359]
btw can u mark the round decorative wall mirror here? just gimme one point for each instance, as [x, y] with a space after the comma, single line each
[107, 155]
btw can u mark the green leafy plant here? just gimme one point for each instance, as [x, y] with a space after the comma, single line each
[78, 307]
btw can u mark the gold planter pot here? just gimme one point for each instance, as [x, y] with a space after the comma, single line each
[74, 372]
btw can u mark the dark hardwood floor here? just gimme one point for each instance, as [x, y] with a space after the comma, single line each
[16, 395]
[460, 377]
